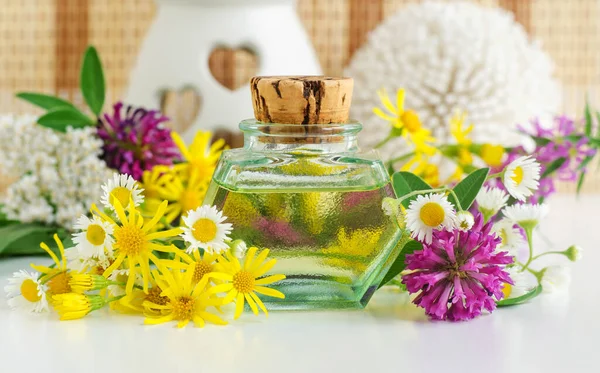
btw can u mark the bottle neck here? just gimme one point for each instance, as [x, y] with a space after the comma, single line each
[310, 138]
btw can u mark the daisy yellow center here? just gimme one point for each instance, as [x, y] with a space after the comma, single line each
[202, 268]
[243, 281]
[155, 297]
[506, 290]
[183, 308]
[95, 234]
[204, 230]
[411, 121]
[517, 175]
[59, 284]
[189, 200]
[29, 290]
[122, 195]
[432, 214]
[464, 224]
[130, 239]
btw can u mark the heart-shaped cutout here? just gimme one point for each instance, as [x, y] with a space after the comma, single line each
[233, 67]
[233, 139]
[182, 107]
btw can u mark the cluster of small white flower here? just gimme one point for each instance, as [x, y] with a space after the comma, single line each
[58, 174]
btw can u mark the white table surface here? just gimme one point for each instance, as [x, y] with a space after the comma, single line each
[553, 333]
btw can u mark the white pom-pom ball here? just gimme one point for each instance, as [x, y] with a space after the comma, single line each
[452, 56]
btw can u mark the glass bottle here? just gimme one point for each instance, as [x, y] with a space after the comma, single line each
[301, 187]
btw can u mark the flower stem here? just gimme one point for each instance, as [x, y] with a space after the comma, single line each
[417, 192]
[529, 234]
[493, 176]
[384, 141]
[456, 199]
[546, 253]
[400, 158]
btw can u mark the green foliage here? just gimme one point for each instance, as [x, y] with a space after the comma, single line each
[60, 113]
[59, 119]
[467, 189]
[588, 119]
[522, 299]
[400, 263]
[24, 239]
[92, 81]
[555, 165]
[44, 101]
[406, 182]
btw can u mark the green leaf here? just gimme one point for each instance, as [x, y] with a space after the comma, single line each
[522, 299]
[407, 182]
[92, 81]
[59, 119]
[580, 181]
[467, 189]
[541, 141]
[23, 238]
[595, 142]
[555, 165]
[44, 101]
[598, 121]
[400, 262]
[588, 119]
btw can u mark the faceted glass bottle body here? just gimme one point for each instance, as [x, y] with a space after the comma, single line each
[316, 203]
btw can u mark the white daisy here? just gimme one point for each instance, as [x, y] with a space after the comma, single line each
[522, 283]
[512, 239]
[205, 229]
[521, 177]
[25, 291]
[527, 216]
[427, 213]
[490, 200]
[464, 220]
[95, 238]
[123, 187]
[556, 279]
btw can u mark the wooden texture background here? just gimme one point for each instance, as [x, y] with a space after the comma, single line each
[41, 42]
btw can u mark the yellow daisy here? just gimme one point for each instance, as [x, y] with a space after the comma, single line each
[134, 301]
[203, 264]
[200, 157]
[134, 243]
[243, 282]
[461, 135]
[152, 180]
[188, 301]
[71, 306]
[183, 195]
[57, 278]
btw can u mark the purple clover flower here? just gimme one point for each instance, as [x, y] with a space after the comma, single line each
[136, 140]
[459, 274]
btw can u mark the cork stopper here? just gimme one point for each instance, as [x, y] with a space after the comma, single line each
[301, 99]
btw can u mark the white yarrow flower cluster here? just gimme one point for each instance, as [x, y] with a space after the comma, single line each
[58, 173]
[453, 55]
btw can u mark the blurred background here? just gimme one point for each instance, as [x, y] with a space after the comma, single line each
[42, 41]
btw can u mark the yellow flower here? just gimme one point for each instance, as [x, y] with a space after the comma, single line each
[398, 116]
[134, 301]
[422, 167]
[492, 155]
[405, 120]
[188, 301]
[82, 282]
[201, 157]
[153, 180]
[461, 135]
[134, 243]
[183, 194]
[243, 282]
[71, 306]
[203, 264]
[57, 278]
